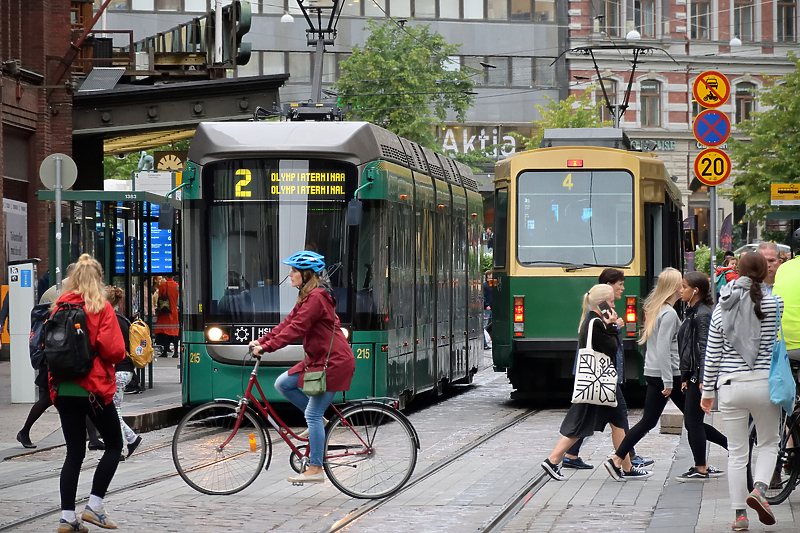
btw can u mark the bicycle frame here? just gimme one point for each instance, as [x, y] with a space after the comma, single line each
[267, 413]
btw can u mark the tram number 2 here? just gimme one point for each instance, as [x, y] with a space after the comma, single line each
[718, 166]
[194, 357]
[362, 353]
[240, 193]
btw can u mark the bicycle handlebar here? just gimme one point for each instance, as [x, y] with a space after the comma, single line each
[251, 352]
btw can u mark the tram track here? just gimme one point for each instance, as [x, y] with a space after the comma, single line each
[368, 508]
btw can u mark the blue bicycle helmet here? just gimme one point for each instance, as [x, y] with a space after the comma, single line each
[306, 260]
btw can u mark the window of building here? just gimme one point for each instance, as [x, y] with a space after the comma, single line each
[520, 9]
[401, 8]
[521, 72]
[497, 9]
[544, 11]
[611, 91]
[251, 68]
[448, 9]
[473, 9]
[425, 9]
[700, 20]
[350, 7]
[142, 5]
[476, 71]
[300, 67]
[650, 103]
[611, 17]
[745, 101]
[787, 11]
[200, 6]
[498, 76]
[168, 5]
[696, 109]
[273, 62]
[743, 21]
[645, 17]
[545, 75]
[375, 8]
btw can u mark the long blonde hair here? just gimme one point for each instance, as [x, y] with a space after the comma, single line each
[596, 294]
[669, 281]
[86, 279]
[310, 282]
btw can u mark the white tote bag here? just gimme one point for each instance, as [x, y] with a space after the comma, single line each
[595, 377]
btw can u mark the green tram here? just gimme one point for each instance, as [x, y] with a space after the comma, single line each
[403, 262]
[582, 202]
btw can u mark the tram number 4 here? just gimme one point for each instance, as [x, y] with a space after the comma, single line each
[243, 183]
[194, 357]
[718, 166]
[362, 353]
[568, 181]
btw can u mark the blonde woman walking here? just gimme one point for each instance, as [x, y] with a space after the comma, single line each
[661, 363]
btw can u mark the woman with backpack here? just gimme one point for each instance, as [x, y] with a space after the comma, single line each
[314, 320]
[692, 337]
[91, 395]
[123, 371]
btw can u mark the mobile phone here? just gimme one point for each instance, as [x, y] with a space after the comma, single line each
[605, 309]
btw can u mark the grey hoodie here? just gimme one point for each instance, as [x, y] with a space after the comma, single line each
[741, 326]
[661, 360]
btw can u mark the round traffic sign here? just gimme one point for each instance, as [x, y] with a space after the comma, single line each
[711, 128]
[47, 171]
[711, 89]
[712, 166]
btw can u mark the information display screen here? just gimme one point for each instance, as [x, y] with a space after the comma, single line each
[160, 251]
[284, 179]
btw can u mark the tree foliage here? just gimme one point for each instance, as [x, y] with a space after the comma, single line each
[773, 152]
[574, 112]
[402, 80]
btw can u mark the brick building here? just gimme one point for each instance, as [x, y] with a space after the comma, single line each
[36, 120]
[745, 40]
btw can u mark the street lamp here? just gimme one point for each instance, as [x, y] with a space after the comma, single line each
[322, 17]
[633, 36]
[735, 42]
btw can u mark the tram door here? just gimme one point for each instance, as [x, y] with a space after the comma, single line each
[443, 250]
[424, 360]
[458, 348]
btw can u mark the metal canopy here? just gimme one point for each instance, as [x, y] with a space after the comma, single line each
[108, 196]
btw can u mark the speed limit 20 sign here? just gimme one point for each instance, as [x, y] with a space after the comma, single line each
[712, 166]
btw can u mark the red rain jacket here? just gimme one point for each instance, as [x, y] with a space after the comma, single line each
[313, 320]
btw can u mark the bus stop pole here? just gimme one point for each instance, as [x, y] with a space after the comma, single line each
[712, 239]
[58, 222]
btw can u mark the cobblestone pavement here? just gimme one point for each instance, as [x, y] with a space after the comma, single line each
[461, 498]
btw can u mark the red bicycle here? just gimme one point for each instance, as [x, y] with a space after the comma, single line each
[220, 447]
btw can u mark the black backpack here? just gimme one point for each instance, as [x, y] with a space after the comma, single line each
[66, 343]
[39, 315]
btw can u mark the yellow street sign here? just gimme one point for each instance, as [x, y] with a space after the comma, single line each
[712, 166]
[784, 194]
[711, 89]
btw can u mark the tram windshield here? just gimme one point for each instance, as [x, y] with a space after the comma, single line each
[259, 213]
[575, 217]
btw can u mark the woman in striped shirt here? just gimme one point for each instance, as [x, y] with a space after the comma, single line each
[738, 353]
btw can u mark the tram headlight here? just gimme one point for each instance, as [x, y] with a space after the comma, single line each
[346, 333]
[215, 334]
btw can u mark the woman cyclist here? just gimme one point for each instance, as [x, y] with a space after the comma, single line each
[314, 320]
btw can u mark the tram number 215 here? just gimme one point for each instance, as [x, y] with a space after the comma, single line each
[362, 353]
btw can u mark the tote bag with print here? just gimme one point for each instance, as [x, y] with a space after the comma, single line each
[595, 376]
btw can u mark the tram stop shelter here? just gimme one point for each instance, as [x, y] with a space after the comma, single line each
[135, 235]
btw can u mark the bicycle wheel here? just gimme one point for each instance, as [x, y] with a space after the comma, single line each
[370, 452]
[197, 455]
[787, 467]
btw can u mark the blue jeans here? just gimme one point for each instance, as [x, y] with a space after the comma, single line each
[313, 407]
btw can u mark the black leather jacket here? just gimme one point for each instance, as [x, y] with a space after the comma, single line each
[692, 338]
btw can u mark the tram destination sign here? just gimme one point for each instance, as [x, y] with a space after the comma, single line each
[267, 182]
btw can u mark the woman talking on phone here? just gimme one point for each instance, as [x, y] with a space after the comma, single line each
[314, 320]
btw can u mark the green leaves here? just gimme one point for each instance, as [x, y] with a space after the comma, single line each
[403, 80]
[773, 152]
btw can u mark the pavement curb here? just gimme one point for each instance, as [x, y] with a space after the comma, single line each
[152, 419]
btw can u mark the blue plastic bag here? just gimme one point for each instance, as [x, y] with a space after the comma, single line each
[781, 381]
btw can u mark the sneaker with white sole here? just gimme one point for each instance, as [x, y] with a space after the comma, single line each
[715, 472]
[641, 462]
[613, 470]
[636, 473]
[554, 471]
[693, 475]
[758, 502]
[76, 526]
[98, 517]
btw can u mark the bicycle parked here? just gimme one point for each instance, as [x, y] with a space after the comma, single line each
[221, 447]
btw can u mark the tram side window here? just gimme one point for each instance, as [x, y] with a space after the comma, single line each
[371, 269]
[500, 227]
[575, 217]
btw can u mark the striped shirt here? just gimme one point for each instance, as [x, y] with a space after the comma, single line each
[723, 362]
